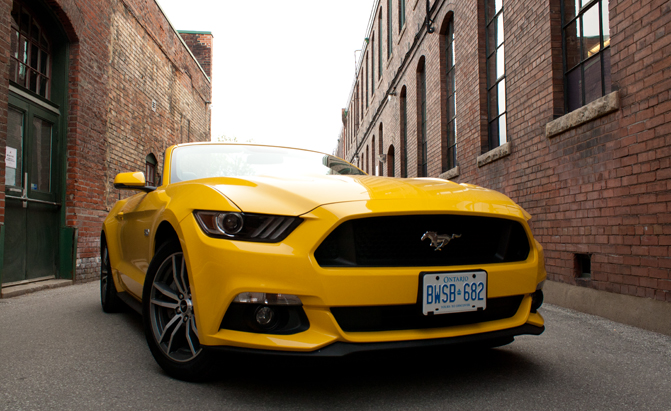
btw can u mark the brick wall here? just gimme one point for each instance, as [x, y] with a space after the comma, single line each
[158, 96]
[200, 44]
[601, 189]
[133, 89]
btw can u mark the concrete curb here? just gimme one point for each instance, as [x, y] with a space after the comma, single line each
[639, 312]
[16, 290]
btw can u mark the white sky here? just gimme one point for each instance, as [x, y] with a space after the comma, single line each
[282, 70]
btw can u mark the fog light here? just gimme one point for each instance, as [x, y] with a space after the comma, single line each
[264, 316]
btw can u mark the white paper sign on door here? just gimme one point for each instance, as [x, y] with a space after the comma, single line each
[10, 158]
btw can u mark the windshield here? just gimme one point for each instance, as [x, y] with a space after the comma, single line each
[219, 160]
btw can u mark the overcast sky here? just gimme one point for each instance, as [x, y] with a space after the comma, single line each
[282, 70]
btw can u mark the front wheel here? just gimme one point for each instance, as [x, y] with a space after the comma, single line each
[109, 300]
[168, 316]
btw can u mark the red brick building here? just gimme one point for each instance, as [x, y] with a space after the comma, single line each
[88, 89]
[565, 106]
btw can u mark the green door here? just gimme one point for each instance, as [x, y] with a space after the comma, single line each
[32, 211]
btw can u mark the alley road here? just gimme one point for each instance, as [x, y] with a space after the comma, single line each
[59, 351]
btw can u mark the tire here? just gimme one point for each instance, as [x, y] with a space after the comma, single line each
[109, 299]
[168, 317]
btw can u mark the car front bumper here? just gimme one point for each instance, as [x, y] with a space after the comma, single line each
[220, 269]
[341, 349]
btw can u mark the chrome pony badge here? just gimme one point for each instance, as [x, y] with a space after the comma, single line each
[439, 241]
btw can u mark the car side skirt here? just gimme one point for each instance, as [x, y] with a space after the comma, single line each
[131, 302]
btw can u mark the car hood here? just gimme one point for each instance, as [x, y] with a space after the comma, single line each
[299, 195]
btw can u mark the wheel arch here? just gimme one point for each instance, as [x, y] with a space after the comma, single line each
[103, 240]
[164, 233]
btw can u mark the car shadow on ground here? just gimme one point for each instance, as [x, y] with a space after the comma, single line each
[397, 376]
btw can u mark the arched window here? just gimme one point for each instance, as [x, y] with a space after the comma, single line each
[30, 56]
[373, 161]
[379, 45]
[390, 31]
[362, 91]
[367, 170]
[422, 140]
[365, 74]
[372, 64]
[150, 174]
[450, 101]
[403, 127]
[381, 146]
[390, 162]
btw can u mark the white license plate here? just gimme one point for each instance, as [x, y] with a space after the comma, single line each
[444, 293]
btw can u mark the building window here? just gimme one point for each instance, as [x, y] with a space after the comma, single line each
[379, 45]
[150, 174]
[356, 109]
[586, 37]
[365, 74]
[372, 65]
[367, 160]
[390, 162]
[359, 93]
[451, 98]
[381, 148]
[422, 155]
[30, 55]
[361, 99]
[390, 37]
[404, 132]
[373, 161]
[496, 81]
[401, 15]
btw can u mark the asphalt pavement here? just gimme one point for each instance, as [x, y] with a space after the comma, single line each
[58, 350]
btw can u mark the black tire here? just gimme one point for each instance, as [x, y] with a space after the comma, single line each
[109, 299]
[168, 317]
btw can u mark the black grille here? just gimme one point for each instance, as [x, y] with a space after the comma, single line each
[396, 242]
[410, 317]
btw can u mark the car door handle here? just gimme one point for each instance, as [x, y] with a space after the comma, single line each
[119, 215]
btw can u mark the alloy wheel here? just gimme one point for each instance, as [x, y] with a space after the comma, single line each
[171, 310]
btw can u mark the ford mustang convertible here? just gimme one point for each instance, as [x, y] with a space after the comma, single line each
[260, 249]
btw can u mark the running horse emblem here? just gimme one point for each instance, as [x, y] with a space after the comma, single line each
[439, 241]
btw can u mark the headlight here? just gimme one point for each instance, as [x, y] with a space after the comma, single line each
[246, 227]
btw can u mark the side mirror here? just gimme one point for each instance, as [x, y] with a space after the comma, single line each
[132, 181]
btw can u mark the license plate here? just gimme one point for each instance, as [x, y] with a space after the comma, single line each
[456, 292]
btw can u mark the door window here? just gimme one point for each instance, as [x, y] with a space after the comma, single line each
[14, 150]
[40, 156]
[31, 150]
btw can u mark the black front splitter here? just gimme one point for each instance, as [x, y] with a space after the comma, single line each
[341, 349]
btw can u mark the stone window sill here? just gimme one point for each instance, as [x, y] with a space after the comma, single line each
[597, 108]
[501, 151]
[450, 174]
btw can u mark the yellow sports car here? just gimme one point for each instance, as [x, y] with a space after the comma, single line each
[250, 248]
